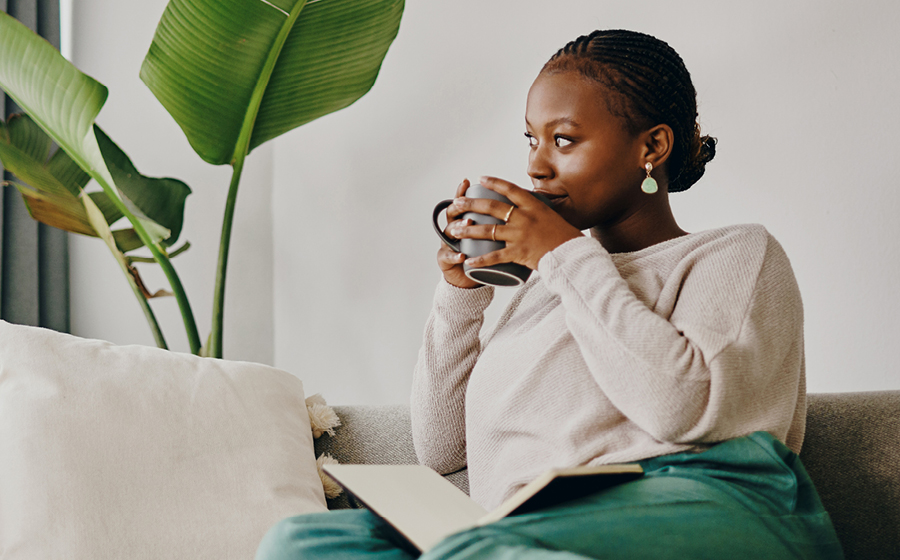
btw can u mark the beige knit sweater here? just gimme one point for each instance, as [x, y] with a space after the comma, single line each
[605, 358]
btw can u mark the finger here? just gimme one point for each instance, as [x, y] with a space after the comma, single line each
[461, 189]
[454, 212]
[516, 194]
[448, 258]
[490, 259]
[456, 227]
[483, 206]
[462, 231]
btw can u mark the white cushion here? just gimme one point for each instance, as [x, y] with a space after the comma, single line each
[135, 452]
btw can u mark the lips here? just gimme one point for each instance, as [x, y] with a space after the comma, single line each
[554, 198]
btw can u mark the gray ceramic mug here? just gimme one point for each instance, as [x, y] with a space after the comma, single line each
[503, 274]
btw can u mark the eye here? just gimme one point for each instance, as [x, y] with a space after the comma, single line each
[562, 141]
[532, 141]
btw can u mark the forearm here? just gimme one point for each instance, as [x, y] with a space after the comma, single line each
[640, 361]
[450, 348]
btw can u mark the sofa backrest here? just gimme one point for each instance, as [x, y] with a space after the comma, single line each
[378, 435]
[852, 453]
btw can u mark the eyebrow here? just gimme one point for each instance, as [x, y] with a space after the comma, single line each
[561, 120]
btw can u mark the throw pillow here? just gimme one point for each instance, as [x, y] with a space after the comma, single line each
[135, 452]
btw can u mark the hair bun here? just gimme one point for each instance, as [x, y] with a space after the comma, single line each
[703, 149]
[707, 149]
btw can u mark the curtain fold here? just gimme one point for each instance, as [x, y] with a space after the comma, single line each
[34, 258]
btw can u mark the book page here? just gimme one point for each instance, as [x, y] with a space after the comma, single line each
[422, 505]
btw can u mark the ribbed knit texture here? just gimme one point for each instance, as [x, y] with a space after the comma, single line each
[605, 358]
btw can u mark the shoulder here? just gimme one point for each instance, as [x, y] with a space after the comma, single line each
[726, 268]
[714, 256]
[742, 249]
[747, 239]
[716, 279]
[746, 265]
[752, 245]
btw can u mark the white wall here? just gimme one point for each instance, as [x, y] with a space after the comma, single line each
[802, 96]
[333, 259]
[109, 42]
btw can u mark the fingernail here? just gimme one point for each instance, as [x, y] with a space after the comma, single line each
[483, 179]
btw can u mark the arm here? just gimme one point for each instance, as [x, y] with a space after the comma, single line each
[725, 360]
[449, 351]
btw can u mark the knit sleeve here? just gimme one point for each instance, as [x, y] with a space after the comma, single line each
[450, 348]
[725, 361]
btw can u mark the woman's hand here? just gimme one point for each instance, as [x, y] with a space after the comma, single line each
[449, 261]
[532, 230]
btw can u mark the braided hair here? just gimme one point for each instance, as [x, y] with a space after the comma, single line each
[648, 85]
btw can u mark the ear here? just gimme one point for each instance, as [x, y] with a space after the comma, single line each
[657, 144]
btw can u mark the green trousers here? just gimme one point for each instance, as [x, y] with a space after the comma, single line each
[748, 498]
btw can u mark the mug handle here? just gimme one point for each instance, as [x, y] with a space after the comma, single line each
[453, 243]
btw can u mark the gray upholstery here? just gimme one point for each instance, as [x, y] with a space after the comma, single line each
[378, 435]
[852, 453]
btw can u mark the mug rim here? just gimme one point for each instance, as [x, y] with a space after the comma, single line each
[518, 281]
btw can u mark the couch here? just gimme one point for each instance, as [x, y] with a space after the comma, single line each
[852, 452]
[111, 452]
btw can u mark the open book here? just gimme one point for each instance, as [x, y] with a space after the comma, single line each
[424, 507]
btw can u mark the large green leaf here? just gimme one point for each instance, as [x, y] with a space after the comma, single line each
[61, 99]
[50, 89]
[157, 200]
[236, 73]
[64, 102]
[53, 186]
[25, 151]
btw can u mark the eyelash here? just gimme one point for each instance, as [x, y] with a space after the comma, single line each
[532, 141]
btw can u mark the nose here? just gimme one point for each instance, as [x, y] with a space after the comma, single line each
[539, 167]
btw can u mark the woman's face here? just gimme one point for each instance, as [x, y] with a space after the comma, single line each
[581, 156]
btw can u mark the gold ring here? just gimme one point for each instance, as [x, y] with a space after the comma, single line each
[494, 233]
[508, 214]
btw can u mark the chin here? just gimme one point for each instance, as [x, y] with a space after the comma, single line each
[572, 219]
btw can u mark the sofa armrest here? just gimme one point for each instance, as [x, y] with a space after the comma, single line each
[378, 435]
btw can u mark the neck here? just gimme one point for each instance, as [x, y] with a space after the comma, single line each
[651, 224]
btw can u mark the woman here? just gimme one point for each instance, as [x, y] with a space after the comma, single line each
[638, 343]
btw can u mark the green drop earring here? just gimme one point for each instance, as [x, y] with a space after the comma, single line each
[649, 185]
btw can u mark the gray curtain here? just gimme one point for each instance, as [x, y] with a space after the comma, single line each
[34, 258]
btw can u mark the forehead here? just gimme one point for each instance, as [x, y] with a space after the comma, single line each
[567, 96]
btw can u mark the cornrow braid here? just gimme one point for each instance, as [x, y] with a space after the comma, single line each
[650, 85]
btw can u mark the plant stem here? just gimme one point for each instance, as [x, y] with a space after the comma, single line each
[162, 259]
[218, 324]
[190, 326]
[98, 222]
[242, 148]
[145, 307]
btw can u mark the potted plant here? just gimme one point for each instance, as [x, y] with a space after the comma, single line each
[233, 74]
